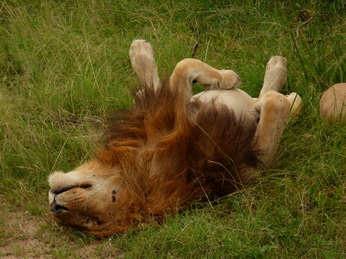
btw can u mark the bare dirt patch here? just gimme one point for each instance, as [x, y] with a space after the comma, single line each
[23, 235]
[19, 231]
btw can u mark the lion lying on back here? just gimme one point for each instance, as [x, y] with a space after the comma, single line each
[172, 149]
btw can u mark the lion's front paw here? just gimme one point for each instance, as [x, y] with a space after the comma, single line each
[141, 54]
[143, 62]
[229, 79]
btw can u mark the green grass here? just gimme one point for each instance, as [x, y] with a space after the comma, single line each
[64, 65]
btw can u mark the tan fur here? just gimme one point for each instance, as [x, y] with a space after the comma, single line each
[333, 104]
[172, 148]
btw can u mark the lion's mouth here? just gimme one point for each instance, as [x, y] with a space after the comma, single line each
[56, 208]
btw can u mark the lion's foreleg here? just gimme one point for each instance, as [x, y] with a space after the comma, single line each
[144, 64]
[192, 70]
[274, 110]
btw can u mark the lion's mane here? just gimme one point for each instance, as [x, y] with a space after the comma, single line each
[200, 151]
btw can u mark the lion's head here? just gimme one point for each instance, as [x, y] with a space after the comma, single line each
[88, 197]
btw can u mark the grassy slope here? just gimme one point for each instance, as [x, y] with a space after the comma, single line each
[64, 64]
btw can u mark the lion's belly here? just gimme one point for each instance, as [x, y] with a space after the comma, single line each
[235, 99]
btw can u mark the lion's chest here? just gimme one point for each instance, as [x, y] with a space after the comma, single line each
[235, 100]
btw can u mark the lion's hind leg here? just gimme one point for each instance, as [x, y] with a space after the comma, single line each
[275, 76]
[274, 109]
[274, 79]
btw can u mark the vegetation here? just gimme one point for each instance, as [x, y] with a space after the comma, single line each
[64, 65]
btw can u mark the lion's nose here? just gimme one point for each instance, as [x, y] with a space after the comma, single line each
[56, 208]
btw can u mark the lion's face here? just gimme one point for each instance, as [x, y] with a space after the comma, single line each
[86, 198]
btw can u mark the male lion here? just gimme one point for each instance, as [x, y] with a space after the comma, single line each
[171, 149]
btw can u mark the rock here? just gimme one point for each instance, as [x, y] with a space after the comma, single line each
[333, 104]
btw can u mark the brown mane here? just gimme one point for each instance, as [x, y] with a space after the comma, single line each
[177, 155]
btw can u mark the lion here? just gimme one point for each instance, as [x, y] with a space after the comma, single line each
[172, 149]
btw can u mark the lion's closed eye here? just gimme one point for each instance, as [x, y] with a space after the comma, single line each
[67, 188]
